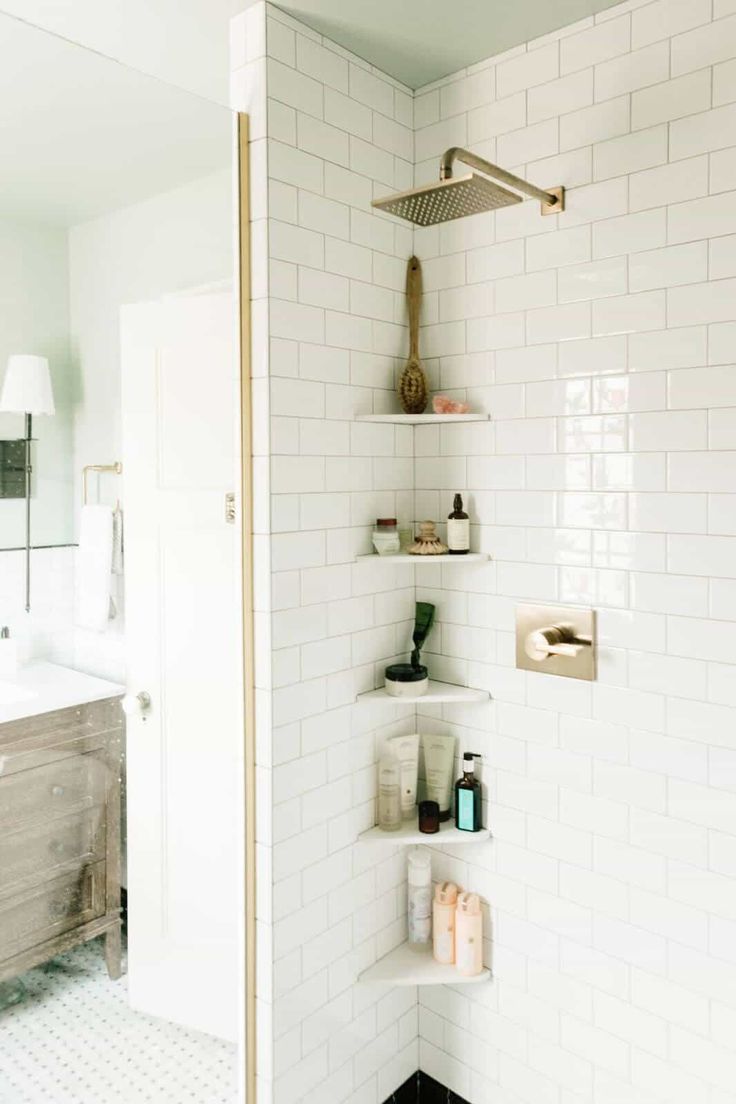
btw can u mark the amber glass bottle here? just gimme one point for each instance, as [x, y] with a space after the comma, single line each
[458, 529]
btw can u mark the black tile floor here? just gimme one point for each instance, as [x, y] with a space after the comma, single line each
[421, 1089]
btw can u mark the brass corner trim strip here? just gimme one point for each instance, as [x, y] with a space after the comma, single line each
[247, 582]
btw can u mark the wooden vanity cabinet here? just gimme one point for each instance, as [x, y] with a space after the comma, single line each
[60, 837]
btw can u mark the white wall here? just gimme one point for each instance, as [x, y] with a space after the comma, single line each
[176, 240]
[183, 42]
[602, 342]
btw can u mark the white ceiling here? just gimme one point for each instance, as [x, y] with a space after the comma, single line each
[81, 134]
[418, 41]
[186, 41]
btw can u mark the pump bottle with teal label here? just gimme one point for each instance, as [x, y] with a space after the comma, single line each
[468, 803]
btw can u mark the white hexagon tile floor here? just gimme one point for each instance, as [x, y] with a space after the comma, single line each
[75, 1040]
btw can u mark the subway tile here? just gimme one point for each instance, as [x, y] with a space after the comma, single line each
[668, 431]
[678, 594]
[631, 71]
[595, 45]
[466, 93]
[525, 292]
[598, 355]
[527, 70]
[665, 18]
[661, 268]
[703, 46]
[668, 513]
[557, 97]
[562, 247]
[629, 233]
[673, 99]
[701, 218]
[678, 348]
[722, 257]
[709, 130]
[371, 90]
[505, 114]
[529, 143]
[701, 303]
[294, 88]
[724, 83]
[709, 387]
[595, 123]
[322, 64]
[561, 323]
[676, 183]
[722, 169]
[630, 313]
[702, 555]
[644, 471]
[594, 280]
[630, 153]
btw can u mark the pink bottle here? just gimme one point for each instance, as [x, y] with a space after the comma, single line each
[468, 935]
[443, 923]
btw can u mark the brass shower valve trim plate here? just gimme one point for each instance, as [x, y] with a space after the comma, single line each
[556, 640]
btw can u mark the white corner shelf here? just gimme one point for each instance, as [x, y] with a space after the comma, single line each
[409, 833]
[407, 557]
[422, 419]
[436, 692]
[411, 966]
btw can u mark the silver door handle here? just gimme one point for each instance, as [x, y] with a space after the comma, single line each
[137, 705]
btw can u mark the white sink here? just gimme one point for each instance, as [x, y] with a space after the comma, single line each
[44, 687]
[12, 692]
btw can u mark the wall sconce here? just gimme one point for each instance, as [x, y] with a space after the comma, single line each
[27, 390]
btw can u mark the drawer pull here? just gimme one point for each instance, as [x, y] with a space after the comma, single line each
[58, 909]
[57, 847]
[57, 791]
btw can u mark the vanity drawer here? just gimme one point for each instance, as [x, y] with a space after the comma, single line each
[55, 790]
[66, 903]
[35, 854]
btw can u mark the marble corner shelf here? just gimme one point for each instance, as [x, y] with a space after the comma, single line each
[437, 692]
[409, 833]
[408, 966]
[406, 557]
[422, 419]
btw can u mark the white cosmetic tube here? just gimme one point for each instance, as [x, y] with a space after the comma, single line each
[406, 750]
[439, 763]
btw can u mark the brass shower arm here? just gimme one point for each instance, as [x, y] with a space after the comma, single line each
[552, 201]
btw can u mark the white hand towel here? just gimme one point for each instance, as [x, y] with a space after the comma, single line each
[94, 568]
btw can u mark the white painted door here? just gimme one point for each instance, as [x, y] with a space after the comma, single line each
[183, 643]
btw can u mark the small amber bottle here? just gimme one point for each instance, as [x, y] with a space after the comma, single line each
[468, 797]
[458, 529]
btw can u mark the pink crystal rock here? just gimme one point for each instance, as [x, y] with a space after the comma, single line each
[443, 405]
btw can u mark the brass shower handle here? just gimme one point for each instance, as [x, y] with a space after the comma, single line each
[558, 640]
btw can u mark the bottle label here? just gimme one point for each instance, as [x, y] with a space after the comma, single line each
[458, 534]
[466, 809]
[466, 957]
[444, 947]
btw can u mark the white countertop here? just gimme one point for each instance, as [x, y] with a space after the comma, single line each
[43, 687]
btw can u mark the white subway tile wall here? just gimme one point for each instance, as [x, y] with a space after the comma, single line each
[603, 343]
[609, 883]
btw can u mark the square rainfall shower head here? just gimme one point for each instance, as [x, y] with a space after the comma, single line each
[447, 199]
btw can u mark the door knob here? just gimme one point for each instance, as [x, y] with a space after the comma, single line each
[137, 705]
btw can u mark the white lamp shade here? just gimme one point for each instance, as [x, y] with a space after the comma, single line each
[27, 386]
